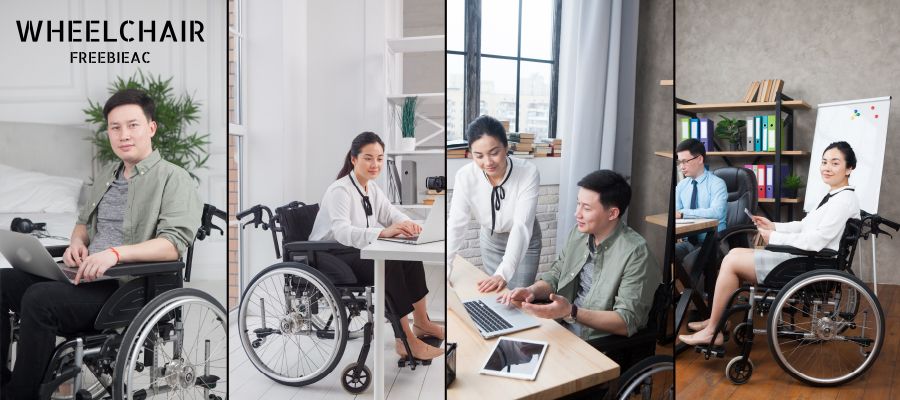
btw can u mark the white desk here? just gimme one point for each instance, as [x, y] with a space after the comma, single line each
[380, 251]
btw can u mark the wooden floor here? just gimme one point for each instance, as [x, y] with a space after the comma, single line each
[697, 378]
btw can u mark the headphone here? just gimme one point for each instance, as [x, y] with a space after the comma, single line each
[24, 225]
[367, 205]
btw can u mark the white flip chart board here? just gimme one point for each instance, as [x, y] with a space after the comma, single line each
[863, 124]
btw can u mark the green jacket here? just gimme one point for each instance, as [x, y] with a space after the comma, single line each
[625, 276]
[162, 203]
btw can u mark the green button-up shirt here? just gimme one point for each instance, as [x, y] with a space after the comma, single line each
[625, 276]
[162, 203]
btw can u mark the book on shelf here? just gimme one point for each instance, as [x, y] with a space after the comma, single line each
[777, 87]
[751, 92]
[505, 124]
[518, 146]
[457, 153]
[457, 144]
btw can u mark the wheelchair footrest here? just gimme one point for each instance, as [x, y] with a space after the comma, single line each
[403, 362]
[718, 351]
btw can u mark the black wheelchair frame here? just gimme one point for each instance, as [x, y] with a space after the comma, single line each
[802, 279]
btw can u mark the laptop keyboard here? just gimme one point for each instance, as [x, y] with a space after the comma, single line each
[487, 319]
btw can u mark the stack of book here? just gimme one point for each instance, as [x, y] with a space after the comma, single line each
[765, 175]
[457, 153]
[761, 133]
[557, 147]
[521, 144]
[505, 124]
[763, 91]
[457, 149]
[542, 149]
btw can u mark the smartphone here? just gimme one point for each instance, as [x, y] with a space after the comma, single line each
[746, 211]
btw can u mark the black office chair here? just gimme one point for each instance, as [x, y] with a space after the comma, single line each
[741, 184]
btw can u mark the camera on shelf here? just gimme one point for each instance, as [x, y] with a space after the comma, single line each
[436, 183]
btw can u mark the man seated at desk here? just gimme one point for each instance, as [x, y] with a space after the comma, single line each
[701, 194]
[604, 280]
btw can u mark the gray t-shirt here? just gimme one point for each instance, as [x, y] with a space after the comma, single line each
[111, 216]
[585, 280]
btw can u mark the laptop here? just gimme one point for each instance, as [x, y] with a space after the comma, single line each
[26, 253]
[433, 229]
[491, 318]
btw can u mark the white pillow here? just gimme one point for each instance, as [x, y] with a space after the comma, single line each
[33, 192]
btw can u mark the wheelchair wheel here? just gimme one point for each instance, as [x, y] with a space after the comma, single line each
[292, 324]
[739, 370]
[176, 347]
[835, 332]
[354, 382]
[651, 378]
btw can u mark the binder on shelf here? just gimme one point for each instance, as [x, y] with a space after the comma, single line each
[769, 176]
[765, 133]
[749, 144]
[685, 128]
[757, 133]
[706, 133]
[770, 127]
[695, 128]
[760, 181]
[785, 171]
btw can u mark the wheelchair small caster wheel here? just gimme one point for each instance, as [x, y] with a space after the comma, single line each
[738, 370]
[354, 382]
[742, 333]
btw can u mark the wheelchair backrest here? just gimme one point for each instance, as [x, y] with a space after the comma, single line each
[295, 221]
[847, 246]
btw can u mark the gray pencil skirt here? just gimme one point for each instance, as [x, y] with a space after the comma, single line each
[494, 246]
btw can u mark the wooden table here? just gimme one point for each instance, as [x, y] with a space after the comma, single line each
[689, 280]
[570, 364]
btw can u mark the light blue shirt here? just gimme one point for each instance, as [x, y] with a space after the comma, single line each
[712, 198]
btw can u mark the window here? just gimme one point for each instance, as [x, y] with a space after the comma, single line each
[514, 76]
[236, 131]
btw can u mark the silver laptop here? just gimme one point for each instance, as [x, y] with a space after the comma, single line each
[490, 317]
[433, 229]
[26, 253]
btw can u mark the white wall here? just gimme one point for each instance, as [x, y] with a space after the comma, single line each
[39, 85]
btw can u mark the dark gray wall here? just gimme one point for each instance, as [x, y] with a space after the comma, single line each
[825, 51]
[653, 120]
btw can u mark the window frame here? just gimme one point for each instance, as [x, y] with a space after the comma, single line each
[472, 57]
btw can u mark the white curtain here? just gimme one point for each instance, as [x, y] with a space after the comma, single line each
[597, 61]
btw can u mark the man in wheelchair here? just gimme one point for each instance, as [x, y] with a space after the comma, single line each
[141, 209]
[605, 279]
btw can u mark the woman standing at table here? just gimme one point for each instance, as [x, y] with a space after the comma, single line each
[501, 193]
[355, 212]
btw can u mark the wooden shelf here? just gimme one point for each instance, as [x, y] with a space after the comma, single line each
[667, 82]
[769, 105]
[416, 44]
[416, 152]
[742, 153]
[783, 200]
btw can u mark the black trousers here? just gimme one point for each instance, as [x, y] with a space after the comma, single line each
[45, 308]
[404, 280]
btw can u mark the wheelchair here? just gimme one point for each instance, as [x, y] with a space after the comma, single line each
[152, 338]
[824, 326]
[296, 316]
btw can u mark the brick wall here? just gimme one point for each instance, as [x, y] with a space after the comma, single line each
[233, 245]
[548, 200]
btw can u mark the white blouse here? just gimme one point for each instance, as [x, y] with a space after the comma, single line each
[342, 217]
[822, 227]
[472, 197]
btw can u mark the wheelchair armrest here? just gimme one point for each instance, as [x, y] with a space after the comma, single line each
[56, 251]
[734, 230]
[321, 245]
[148, 268]
[824, 253]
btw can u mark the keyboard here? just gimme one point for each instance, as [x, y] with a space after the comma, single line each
[69, 272]
[487, 319]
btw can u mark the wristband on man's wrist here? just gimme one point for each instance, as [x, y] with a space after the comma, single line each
[118, 257]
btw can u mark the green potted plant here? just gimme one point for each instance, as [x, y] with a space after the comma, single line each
[173, 115]
[733, 131]
[407, 117]
[790, 186]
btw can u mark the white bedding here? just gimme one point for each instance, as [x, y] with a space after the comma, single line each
[58, 224]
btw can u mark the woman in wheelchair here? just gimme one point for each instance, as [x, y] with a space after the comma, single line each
[820, 229]
[355, 212]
